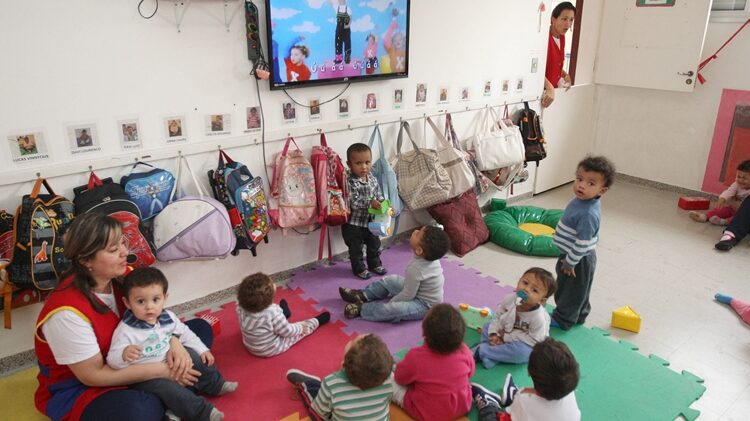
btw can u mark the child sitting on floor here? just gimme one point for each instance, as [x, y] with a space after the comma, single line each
[554, 371]
[414, 294]
[433, 379]
[516, 327]
[265, 329]
[362, 389]
[729, 199]
[143, 336]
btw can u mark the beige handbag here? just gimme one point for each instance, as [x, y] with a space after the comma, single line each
[422, 179]
[454, 162]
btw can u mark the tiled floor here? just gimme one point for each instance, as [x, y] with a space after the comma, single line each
[652, 257]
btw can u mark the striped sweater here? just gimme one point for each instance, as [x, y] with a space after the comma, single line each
[340, 400]
[578, 230]
[268, 333]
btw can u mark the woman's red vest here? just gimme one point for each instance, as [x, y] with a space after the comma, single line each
[555, 59]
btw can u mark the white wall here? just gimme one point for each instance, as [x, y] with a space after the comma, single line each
[666, 136]
[98, 61]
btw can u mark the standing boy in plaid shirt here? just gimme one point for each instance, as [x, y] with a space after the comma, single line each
[364, 192]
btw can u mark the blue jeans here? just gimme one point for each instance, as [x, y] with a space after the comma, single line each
[511, 352]
[391, 311]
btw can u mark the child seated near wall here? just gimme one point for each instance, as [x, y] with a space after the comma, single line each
[519, 322]
[265, 329]
[362, 389]
[143, 336]
[433, 379]
[729, 199]
[413, 294]
[554, 371]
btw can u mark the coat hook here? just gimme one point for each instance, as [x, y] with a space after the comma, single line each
[179, 153]
[136, 159]
[38, 175]
[91, 168]
[320, 130]
[288, 135]
[219, 147]
[349, 126]
[467, 108]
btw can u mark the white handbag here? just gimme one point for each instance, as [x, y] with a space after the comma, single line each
[496, 145]
[453, 160]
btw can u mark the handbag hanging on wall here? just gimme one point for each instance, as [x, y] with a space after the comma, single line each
[492, 146]
[192, 227]
[422, 179]
[454, 162]
[481, 182]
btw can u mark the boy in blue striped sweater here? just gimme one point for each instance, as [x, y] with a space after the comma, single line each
[576, 236]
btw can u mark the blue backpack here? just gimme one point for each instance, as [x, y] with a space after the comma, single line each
[151, 191]
[386, 176]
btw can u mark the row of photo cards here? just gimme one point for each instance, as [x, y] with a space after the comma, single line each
[31, 145]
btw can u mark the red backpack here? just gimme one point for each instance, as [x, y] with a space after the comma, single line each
[330, 189]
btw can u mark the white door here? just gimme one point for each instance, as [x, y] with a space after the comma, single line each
[652, 47]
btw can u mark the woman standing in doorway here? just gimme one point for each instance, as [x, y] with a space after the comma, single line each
[563, 16]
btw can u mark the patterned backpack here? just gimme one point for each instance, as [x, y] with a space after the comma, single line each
[251, 205]
[293, 202]
[41, 221]
[332, 194]
[533, 137]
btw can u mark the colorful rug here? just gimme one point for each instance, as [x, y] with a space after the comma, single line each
[462, 285]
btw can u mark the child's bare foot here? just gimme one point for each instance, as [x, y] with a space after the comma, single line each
[697, 216]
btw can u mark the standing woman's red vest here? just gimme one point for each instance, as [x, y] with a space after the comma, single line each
[60, 395]
[555, 59]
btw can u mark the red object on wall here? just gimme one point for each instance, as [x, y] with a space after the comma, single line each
[693, 203]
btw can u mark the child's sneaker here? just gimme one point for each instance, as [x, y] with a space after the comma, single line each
[365, 274]
[380, 270]
[483, 397]
[352, 310]
[228, 387]
[509, 391]
[296, 377]
[697, 216]
[352, 295]
[715, 220]
[323, 318]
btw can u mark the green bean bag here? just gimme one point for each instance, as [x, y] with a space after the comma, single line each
[504, 224]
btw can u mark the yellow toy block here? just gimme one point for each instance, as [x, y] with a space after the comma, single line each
[626, 318]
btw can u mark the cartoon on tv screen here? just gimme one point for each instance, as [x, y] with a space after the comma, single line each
[328, 40]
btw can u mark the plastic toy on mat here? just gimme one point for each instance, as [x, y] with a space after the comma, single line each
[474, 317]
[693, 203]
[382, 219]
[626, 318]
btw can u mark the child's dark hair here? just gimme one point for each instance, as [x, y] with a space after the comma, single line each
[255, 292]
[601, 165]
[368, 363]
[744, 166]
[356, 147]
[546, 277]
[443, 329]
[435, 243]
[553, 369]
[566, 5]
[143, 277]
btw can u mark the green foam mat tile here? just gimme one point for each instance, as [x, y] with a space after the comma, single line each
[617, 382]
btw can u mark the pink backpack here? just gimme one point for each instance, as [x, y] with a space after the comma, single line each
[330, 186]
[293, 202]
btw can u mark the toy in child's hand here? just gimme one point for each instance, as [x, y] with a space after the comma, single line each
[521, 297]
[474, 317]
[381, 219]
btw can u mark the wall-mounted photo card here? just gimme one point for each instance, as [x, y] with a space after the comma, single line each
[83, 138]
[175, 129]
[464, 94]
[443, 95]
[487, 91]
[371, 102]
[129, 134]
[27, 147]
[252, 115]
[505, 86]
[343, 107]
[289, 112]
[398, 99]
[218, 124]
[315, 109]
[421, 97]
[519, 85]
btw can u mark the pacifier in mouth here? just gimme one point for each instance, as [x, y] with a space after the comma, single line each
[521, 296]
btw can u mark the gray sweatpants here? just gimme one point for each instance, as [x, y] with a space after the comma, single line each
[182, 400]
[572, 295]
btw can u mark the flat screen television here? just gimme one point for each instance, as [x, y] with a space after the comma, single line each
[316, 42]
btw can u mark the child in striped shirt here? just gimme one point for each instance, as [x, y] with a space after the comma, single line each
[361, 390]
[576, 236]
[265, 329]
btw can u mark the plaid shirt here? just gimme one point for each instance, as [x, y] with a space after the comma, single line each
[361, 192]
